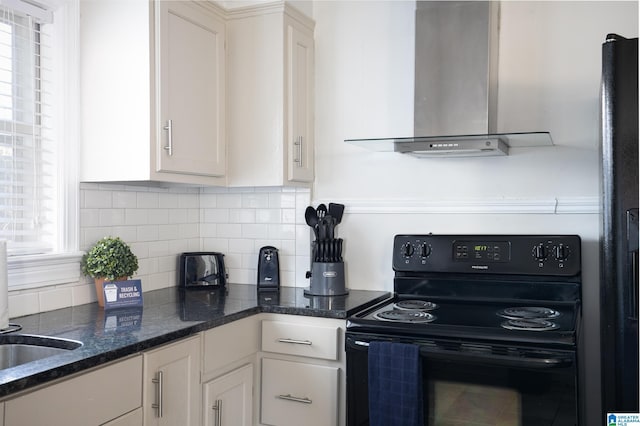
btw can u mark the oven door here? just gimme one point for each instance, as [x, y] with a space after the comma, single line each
[473, 383]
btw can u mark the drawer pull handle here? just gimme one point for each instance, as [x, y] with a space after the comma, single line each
[295, 399]
[296, 342]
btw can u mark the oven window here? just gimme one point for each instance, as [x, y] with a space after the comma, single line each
[466, 404]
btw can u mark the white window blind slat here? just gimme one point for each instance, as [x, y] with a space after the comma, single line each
[28, 157]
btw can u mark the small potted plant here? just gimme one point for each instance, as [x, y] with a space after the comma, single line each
[110, 259]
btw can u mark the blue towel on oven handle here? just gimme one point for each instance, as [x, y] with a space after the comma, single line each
[395, 384]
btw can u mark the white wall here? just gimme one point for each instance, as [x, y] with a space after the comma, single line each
[549, 75]
[549, 71]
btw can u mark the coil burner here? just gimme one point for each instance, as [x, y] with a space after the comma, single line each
[407, 316]
[530, 325]
[528, 312]
[415, 305]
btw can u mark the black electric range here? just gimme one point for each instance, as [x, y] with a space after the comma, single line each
[509, 304]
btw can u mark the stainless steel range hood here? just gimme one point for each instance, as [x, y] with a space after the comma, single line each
[456, 85]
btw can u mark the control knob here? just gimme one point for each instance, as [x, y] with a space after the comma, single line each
[407, 249]
[540, 252]
[425, 250]
[561, 252]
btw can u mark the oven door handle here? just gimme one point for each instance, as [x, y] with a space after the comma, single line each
[547, 362]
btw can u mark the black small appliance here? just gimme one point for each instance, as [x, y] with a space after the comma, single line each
[268, 269]
[202, 270]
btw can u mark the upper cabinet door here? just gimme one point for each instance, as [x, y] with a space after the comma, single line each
[191, 97]
[300, 54]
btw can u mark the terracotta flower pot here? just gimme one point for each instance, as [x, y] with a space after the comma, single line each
[99, 282]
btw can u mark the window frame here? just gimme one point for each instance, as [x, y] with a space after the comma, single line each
[62, 266]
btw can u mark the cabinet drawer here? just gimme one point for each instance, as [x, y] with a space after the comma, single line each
[89, 399]
[295, 394]
[300, 340]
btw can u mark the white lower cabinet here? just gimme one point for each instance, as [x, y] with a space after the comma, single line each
[302, 371]
[228, 400]
[296, 393]
[93, 398]
[172, 384]
[229, 373]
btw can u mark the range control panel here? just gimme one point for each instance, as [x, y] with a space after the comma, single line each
[497, 254]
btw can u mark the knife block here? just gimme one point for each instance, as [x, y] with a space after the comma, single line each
[327, 279]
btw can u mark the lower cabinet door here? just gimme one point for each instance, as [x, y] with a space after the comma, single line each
[295, 393]
[172, 390]
[228, 399]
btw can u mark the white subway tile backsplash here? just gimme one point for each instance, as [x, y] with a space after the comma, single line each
[147, 200]
[177, 216]
[158, 216]
[126, 233]
[242, 216]
[229, 230]
[147, 233]
[255, 231]
[255, 201]
[216, 244]
[187, 201]
[161, 223]
[21, 304]
[141, 250]
[158, 248]
[56, 298]
[288, 215]
[216, 216]
[229, 201]
[90, 217]
[169, 232]
[123, 199]
[188, 230]
[136, 216]
[237, 245]
[193, 215]
[83, 293]
[282, 232]
[97, 199]
[112, 217]
[208, 201]
[268, 216]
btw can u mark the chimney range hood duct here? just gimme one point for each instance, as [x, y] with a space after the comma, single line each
[456, 82]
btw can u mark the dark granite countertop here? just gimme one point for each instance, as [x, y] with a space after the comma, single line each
[167, 315]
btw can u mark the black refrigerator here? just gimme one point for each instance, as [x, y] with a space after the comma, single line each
[619, 224]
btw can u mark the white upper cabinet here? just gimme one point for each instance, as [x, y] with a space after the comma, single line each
[153, 91]
[270, 62]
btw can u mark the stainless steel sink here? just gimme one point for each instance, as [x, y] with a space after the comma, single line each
[18, 349]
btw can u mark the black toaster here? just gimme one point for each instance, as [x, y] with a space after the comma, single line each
[202, 270]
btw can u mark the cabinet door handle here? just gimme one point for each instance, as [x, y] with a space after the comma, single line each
[298, 158]
[169, 129]
[217, 407]
[288, 397]
[159, 391]
[296, 342]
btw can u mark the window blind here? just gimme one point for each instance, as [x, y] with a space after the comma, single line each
[28, 156]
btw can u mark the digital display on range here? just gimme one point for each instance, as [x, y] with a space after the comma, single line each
[481, 251]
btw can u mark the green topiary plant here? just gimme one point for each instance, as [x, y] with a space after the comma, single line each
[110, 258]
